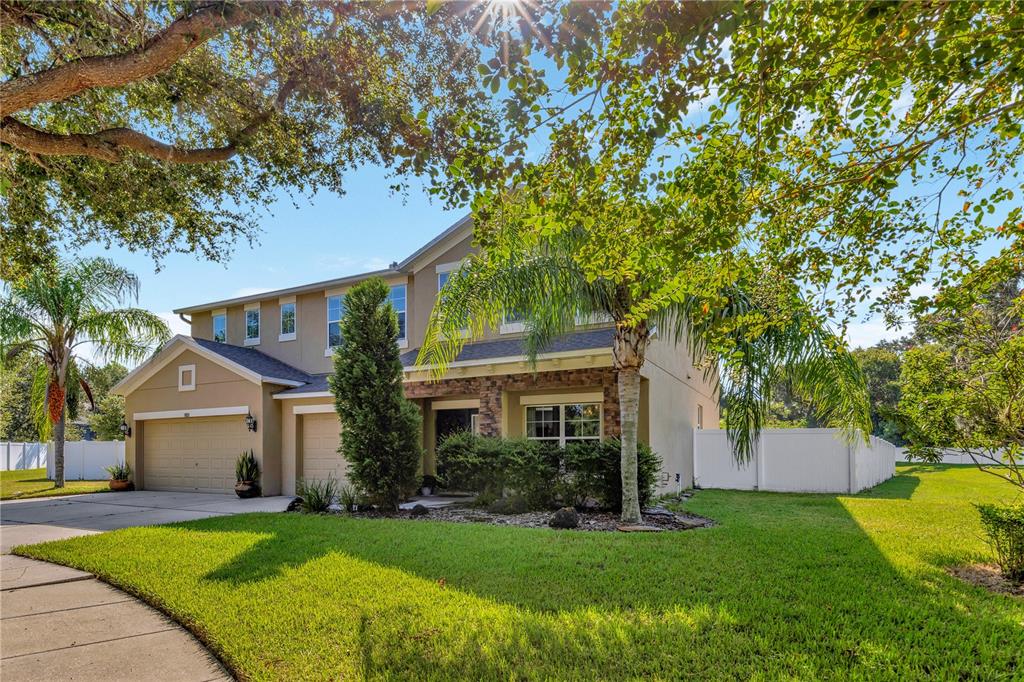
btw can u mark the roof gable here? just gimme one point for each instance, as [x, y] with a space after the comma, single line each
[248, 363]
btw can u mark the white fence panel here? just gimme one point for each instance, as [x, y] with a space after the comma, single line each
[948, 457]
[84, 460]
[794, 460]
[17, 456]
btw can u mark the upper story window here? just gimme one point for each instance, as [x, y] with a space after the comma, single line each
[220, 326]
[397, 299]
[252, 324]
[442, 279]
[287, 330]
[335, 311]
[564, 423]
[700, 416]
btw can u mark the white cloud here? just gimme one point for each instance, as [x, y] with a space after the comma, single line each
[347, 265]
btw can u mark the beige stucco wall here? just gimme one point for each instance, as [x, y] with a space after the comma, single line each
[216, 386]
[670, 394]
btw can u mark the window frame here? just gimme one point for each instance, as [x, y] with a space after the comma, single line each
[220, 314]
[403, 325]
[700, 416]
[252, 340]
[182, 369]
[282, 335]
[562, 439]
[327, 315]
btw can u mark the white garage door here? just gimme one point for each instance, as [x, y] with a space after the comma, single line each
[196, 454]
[320, 440]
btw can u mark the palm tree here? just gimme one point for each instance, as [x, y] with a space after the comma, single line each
[55, 312]
[753, 339]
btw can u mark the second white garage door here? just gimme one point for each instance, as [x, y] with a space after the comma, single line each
[320, 440]
[195, 454]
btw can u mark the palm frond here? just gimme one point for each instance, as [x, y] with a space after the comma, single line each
[125, 334]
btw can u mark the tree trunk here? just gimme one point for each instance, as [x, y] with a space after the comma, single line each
[58, 449]
[628, 349]
[629, 413]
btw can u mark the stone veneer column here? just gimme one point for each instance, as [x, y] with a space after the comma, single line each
[489, 418]
[610, 408]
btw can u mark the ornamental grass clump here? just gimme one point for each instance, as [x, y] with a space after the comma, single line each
[317, 495]
[119, 472]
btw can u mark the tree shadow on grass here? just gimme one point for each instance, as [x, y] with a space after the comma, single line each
[899, 487]
[780, 587]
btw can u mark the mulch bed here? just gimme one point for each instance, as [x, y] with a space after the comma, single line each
[987, 576]
[660, 520]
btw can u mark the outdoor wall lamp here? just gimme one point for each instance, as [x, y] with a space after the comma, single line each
[250, 422]
[126, 430]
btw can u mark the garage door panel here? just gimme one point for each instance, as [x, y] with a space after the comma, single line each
[195, 454]
[320, 440]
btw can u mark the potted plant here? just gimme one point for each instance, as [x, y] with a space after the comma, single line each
[120, 477]
[247, 476]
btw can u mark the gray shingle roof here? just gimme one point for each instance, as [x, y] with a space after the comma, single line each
[254, 360]
[591, 339]
[317, 384]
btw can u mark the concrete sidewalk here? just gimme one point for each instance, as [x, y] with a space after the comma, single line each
[57, 623]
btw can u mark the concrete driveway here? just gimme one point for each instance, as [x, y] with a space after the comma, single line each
[57, 623]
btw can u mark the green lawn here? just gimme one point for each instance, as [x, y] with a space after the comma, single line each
[18, 485]
[786, 586]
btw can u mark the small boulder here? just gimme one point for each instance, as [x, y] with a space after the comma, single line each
[566, 517]
[295, 505]
[419, 510]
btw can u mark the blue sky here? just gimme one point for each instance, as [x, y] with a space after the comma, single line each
[326, 236]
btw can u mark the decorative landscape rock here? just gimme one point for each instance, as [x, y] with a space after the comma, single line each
[658, 511]
[295, 504]
[587, 520]
[638, 528]
[566, 517]
[419, 510]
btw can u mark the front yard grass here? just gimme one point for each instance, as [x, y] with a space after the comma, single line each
[26, 483]
[785, 586]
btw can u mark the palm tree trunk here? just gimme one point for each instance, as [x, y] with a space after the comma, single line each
[629, 414]
[628, 350]
[58, 449]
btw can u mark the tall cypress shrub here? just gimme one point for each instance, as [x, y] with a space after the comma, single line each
[380, 429]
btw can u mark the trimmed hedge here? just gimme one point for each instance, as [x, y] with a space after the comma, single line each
[541, 473]
[1004, 525]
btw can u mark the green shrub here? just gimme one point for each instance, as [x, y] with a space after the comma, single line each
[592, 470]
[1004, 525]
[119, 472]
[469, 462]
[382, 440]
[514, 504]
[247, 469]
[540, 472]
[317, 495]
[532, 470]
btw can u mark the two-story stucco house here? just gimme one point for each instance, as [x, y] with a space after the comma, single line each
[253, 374]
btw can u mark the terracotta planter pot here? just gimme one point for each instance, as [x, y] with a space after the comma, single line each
[119, 486]
[247, 489]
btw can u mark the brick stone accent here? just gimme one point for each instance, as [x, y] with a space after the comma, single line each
[490, 389]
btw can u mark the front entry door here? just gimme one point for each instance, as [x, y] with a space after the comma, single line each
[448, 422]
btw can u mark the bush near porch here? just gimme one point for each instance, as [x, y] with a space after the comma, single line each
[541, 473]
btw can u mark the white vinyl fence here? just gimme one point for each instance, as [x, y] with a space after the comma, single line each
[794, 460]
[948, 457]
[19, 456]
[84, 460]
